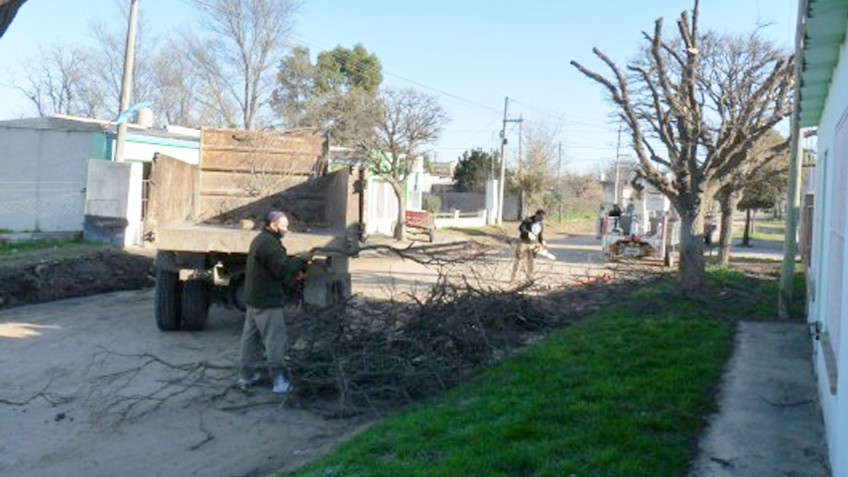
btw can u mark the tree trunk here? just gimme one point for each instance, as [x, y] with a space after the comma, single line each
[746, 235]
[400, 226]
[690, 274]
[725, 242]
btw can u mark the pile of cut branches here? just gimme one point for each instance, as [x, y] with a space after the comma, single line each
[371, 355]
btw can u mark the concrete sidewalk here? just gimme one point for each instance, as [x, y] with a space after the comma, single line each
[769, 421]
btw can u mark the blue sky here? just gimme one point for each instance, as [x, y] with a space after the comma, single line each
[469, 54]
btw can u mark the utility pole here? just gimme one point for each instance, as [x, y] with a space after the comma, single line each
[503, 163]
[617, 155]
[126, 85]
[503, 159]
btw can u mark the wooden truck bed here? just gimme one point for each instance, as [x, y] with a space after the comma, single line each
[213, 238]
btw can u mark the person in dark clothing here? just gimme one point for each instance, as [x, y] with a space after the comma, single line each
[615, 219]
[269, 268]
[531, 233]
[531, 229]
[615, 211]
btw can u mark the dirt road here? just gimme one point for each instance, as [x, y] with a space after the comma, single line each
[82, 392]
[61, 413]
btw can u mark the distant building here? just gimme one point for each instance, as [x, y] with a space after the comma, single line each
[44, 181]
[381, 207]
[442, 169]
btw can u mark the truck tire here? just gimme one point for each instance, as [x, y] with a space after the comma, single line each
[195, 304]
[167, 300]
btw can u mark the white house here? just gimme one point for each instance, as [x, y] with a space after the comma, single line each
[381, 207]
[46, 184]
[823, 104]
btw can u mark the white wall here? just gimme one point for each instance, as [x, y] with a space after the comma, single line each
[381, 207]
[114, 191]
[42, 179]
[137, 148]
[834, 405]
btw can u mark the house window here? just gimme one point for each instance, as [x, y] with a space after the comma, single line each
[836, 255]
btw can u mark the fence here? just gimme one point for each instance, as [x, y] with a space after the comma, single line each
[461, 219]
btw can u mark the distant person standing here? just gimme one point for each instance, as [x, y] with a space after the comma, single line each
[531, 238]
[268, 269]
[615, 219]
[602, 212]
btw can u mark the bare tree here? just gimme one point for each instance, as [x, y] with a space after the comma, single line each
[704, 119]
[8, 9]
[581, 191]
[58, 83]
[409, 120]
[106, 62]
[236, 62]
[175, 96]
[535, 179]
[766, 159]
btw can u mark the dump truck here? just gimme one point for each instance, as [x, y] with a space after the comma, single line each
[202, 218]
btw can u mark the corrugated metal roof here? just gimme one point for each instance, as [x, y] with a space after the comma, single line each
[182, 137]
[56, 123]
[824, 26]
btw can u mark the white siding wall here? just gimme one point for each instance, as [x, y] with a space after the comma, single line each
[42, 179]
[381, 208]
[829, 278]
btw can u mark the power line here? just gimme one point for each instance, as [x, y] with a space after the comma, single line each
[560, 115]
[441, 92]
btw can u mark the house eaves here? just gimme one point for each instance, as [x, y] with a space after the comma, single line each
[823, 28]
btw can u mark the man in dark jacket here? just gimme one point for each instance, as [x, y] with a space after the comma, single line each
[530, 232]
[268, 269]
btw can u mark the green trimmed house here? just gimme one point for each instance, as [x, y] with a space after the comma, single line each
[823, 104]
[53, 172]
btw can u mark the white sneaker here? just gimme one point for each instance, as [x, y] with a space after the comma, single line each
[246, 382]
[281, 386]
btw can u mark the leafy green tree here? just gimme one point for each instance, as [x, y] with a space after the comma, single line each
[342, 70]
[473, 169]
[295, 87]
[766, 185]
[337, 93]
[754, 184]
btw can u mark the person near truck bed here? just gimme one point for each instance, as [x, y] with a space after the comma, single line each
[530, 232]
[269, 268]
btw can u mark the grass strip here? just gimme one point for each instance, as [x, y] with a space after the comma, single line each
[621, 393]
[14, 248]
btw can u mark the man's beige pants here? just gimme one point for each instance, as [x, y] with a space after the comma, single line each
[264, 331]
[523, 253]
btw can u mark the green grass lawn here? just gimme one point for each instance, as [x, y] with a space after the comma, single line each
[13, 248]
[769, 230]
[624, 392]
